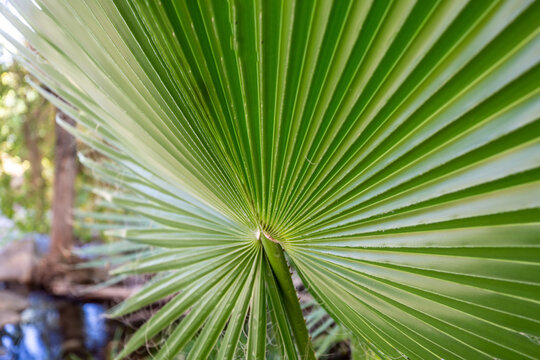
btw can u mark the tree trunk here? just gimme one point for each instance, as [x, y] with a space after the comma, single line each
[37, 188]
[65, 171]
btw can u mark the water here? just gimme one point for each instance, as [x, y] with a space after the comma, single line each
[53, 328]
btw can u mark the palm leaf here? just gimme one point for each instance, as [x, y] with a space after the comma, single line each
[391, 148]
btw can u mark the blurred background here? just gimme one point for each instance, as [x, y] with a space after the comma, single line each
[50, 301]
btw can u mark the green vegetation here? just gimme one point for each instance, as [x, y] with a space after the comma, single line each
[27, 155]
[391, 150]
[26, 151]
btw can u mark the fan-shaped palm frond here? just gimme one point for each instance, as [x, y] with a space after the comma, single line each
[391, 148]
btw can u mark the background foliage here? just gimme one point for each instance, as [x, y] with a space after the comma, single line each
[25, 195]
[26, 130]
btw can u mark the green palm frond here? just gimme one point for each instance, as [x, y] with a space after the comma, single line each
[391, 148]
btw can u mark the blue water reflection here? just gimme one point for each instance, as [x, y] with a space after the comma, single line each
[40, 335]
[94, 327]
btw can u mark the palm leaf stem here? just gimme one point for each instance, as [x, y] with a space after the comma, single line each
[280, 268]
